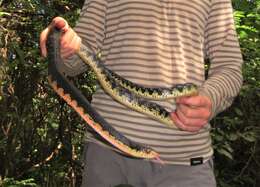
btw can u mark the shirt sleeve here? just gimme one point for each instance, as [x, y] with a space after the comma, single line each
[222, 49]
[91, 28]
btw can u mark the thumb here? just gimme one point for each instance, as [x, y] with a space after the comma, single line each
[60, 23]
[43, 39]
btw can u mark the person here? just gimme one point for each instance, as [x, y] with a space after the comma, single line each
[157, 43]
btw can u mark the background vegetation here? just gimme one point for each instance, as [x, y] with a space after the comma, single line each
[41, 137]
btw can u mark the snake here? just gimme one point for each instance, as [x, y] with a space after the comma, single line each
[175, 91]
[122, 90]
[61, 84]
[132, 94]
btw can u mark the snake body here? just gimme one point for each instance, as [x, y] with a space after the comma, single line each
[178, 90]
[124, 91]
[129, 93]
[67, 91]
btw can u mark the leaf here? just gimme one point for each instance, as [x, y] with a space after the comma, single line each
[4, 14]
[238, 112]
[55, 125]
[232, 137]
[249, 136]
[225, 153]
[218, 138]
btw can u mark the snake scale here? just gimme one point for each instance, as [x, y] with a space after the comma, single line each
[122, 90]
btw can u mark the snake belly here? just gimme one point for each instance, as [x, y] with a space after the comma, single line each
[122, 92]
[68, 92]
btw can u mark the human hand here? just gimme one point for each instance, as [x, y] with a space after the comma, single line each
[69, 41]
[192, 112]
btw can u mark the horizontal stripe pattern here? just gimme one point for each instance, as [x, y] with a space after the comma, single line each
[158, 43]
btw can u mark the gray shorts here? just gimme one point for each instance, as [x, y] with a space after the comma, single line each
[106, 168]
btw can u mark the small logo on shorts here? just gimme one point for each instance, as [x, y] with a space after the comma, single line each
[196, 161]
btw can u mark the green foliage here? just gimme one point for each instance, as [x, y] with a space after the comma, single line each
[236, 132]
[10, 182]
[41, 137]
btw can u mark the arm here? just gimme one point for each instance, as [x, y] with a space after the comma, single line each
[225, 78]
[222, 48]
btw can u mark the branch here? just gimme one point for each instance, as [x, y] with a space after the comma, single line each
[247, 163]
[55, 152]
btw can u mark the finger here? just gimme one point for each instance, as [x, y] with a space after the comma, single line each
[67, 38]
[198, 122]
[67, 53]
[66, 44]
[72, 48]
[195, 101]
[191, 112]
[182, 126]
[43, 39]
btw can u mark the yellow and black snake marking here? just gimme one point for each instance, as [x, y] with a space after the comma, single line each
[67, 91]
[178, 90]
[110, 83]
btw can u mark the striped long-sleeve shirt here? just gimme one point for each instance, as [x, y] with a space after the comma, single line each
[158, 43]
